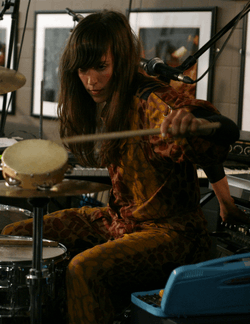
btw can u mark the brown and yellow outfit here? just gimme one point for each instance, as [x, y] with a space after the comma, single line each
[153, 222]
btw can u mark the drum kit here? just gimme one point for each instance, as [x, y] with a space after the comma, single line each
[34, 170]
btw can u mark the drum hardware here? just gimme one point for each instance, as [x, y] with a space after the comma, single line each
[12, 182]
[46, 186]
[38, 167]
[69, 170]
[36, 275]
[15, 281]
[39, 199]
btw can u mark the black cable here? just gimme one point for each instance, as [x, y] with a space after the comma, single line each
[242, 13]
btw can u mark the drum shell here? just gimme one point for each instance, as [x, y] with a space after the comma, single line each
[33, 181]
[14, 290]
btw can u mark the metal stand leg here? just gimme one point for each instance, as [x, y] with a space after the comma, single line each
[13, 36]
[37, 276]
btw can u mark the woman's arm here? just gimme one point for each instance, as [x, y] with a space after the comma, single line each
[229, 212]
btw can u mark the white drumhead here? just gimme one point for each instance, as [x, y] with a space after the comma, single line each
[35, 156]
[25, 253]
[19, 248]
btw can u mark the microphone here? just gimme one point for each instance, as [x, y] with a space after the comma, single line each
[156, 66]
[76, 17]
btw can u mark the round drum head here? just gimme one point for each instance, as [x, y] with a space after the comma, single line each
[34, 163]
[35, 157]
[20, 248]
[25, 253]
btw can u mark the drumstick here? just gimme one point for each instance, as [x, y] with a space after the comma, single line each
[126, 134]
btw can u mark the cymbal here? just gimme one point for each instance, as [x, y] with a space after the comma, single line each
[10, 80]
[65, 188]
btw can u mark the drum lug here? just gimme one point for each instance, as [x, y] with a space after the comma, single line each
[45, 186]
[34, 276]
[6, 274]
[69, 170]
[34, 273]
[12, 182]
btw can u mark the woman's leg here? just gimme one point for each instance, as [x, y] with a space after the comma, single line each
[103, 273]
[74, 228]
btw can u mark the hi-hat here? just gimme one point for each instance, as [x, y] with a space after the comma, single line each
[10, 80]
[65, 188]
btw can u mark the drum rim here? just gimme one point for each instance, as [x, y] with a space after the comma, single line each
[26, 212]
[45, 261]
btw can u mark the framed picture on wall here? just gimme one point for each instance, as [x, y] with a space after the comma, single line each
[5, 30]
[244, 94]
[173, 35]
[52, 30]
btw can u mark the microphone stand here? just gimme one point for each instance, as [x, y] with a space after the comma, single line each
[191, 60]
[13, 35]
[129, 9]
[5, 8]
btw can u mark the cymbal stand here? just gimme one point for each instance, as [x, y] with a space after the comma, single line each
[37, 276]
[13, 36]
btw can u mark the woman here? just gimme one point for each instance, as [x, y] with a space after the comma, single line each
[153, 222]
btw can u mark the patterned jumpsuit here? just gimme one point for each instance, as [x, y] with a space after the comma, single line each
[153, 222]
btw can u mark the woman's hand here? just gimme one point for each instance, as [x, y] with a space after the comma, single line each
[231, 214]
[182, 123]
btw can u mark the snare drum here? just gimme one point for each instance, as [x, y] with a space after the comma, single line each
[15, 262]
[34, 163]
[11, 214]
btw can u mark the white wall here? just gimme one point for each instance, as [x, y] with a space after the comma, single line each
[226, 73]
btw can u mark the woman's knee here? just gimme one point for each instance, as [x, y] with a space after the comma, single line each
[22, 228]
[87, 265]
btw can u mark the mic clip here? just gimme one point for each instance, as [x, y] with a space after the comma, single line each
[76, 17]
[156, 66]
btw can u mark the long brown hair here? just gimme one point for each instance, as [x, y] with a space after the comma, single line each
[89, 41]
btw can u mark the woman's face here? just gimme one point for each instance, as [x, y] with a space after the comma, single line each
[97, 80]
